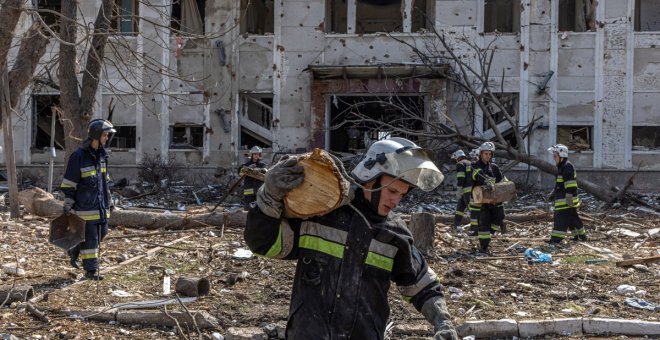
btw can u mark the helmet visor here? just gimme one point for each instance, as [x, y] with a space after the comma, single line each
[415, 166]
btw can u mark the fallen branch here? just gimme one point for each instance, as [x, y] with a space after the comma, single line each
[34, 311]
[630, 262]
[152, 303]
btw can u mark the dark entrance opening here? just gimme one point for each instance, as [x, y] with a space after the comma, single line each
[43, 113]
[358, 121]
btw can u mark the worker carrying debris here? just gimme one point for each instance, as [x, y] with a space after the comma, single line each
[473, 207]
[85, 186]
[463, 187]
[251, 184]
[566, 200]
[491, 216]
[348, 257]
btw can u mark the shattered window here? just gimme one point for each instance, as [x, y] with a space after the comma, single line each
[124, 138]
[186, 137]
[379, 16]
[647, 15]
[43, 107]
[126, 16]
[508, 101]
[422, 15]
[646, 138]
[502, 16]
[257, 108]
[335, 14]
[576, 138]
[577, 15]
[188, 16]
[257, 17]
[45, 8]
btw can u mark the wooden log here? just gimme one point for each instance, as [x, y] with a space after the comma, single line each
[323, 190]
[193, 286]
[41, 203]
[254, 173]
[16, 293]
[502, 192]
[34, 311]
[630, 262]
[203, 319]
[422, 227]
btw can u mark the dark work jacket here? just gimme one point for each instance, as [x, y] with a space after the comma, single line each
[344, 269]
[464, 176]
[565, 183]
[251, 184]
[86, 182]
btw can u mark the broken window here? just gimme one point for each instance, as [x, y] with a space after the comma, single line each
[44, 107]
[422, 15]
[124, 138]
[509, 102]
[45, 8]
[358, 121]
[577, 15]
[501, 16]
[379, 16]
[257, 17]
[646, 138]
[188, 16]
[125, 19]
[186, 136]
[336, 12]
[258, 108]
[647, 15]
[576, 138]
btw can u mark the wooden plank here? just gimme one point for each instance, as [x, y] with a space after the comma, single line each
[630, 262]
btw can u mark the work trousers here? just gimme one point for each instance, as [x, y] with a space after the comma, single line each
[89, 250]
[490, 216]
[565, 220]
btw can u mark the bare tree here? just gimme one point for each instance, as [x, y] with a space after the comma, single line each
[467, 67]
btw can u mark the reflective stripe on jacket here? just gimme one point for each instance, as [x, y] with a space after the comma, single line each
[464, 176]
[344, 269]
[86, 182]
[565, 183]
[251, 184]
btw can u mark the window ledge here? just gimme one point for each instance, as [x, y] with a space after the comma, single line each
[122, 149]
[384, 34]
[185, 150]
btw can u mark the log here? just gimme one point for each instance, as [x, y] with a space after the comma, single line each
[203, 319]
[16, 293]
[34, 311]
[152, 303]
[630, 262]
[41, 203]
[323, 190]
[502, 192]
[422, 227]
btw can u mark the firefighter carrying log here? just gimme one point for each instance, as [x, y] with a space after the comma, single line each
[463, 187]
[491, 216]
[85, 186]
[251, 184]
[348, 257]
[566, 200]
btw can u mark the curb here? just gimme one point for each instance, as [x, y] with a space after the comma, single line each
[565, 327]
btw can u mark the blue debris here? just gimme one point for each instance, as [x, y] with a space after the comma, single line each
[642, 304]
[537, 256]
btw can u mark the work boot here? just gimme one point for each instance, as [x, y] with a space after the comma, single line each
[580, 238]
[73, 257]
[93, 275]
[553, 241]
[482, 253]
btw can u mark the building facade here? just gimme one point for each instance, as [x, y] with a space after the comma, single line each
[284, 74]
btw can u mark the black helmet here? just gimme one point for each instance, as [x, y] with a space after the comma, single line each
[96, 128]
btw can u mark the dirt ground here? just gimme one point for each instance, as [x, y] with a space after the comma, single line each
[254, 292]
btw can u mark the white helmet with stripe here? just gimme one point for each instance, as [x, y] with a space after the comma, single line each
[402, 159]
[457, 154]
[561, 149]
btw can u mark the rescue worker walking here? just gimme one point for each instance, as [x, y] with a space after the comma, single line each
[566, 200]
[251, 184]
[85, 186]
[486, 173]
[463, 187]
[348, 257]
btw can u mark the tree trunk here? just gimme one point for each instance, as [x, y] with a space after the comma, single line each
[33, 47]
[422, 227]
[10, 156]
[41, 203]
[502, 192]
[19, 293]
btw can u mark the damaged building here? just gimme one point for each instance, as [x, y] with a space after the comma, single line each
[283, 74]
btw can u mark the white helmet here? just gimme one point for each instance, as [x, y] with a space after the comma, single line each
[457, 154]
[561, 149]
[474, 153]
[255, 149]
[487, 146]
[400, 158]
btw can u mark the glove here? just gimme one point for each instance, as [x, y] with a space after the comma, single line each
[490, 185]
[459, 194]
[569, 200]
[280, 179]
[552, 196]
[252, 166]
[68, 205]
[435, 312]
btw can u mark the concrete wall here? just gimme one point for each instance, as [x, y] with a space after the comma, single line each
[607, 79]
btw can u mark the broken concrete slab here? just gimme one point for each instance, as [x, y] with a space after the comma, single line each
[565, 327]
[245, 333]
[489, 328]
